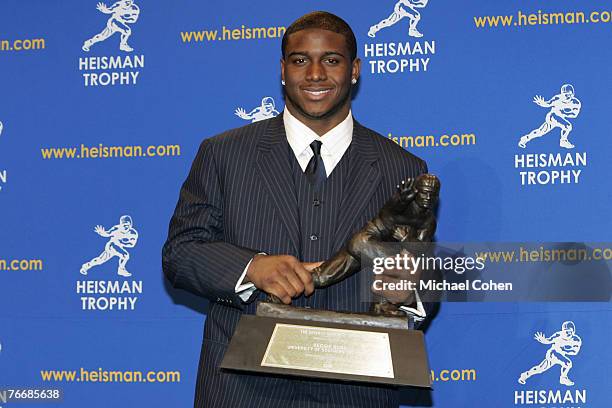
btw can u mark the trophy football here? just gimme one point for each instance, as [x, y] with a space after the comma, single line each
[375, 347]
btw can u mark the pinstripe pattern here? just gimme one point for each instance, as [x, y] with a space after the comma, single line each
[244, 195]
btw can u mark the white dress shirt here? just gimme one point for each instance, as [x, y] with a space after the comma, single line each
[334, 144]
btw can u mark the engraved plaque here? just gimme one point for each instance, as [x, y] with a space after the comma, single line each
[341, 352]
[325, 349]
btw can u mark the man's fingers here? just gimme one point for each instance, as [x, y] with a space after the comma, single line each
[282, 273]
[288, 277]
[306, 277]
[309, 266]
[295, 281]
[287, 286]
[279, 291]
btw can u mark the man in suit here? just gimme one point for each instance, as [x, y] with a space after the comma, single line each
[262, 202]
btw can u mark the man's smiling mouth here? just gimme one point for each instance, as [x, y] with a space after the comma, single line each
[317, 92]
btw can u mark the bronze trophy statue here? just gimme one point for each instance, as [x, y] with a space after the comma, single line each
[375, 347]
[408, 216]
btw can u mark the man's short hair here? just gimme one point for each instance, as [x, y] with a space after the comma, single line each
[324, 21]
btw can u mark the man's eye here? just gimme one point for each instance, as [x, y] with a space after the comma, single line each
[332, 61]
[299, 60]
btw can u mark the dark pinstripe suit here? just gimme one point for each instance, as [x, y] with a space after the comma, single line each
[239, 200]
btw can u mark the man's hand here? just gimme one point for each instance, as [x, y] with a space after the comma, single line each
[396, 276]
[283, 276]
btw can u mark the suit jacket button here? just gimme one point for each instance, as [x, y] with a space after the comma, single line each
[314, 237]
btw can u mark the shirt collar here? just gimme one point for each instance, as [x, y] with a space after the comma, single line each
[334, 142]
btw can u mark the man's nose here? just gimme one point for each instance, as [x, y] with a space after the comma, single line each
[316, 72]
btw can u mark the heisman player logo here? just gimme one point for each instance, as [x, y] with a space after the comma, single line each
[120, 238]
[563, 106]
[557, 167]
[113, 70]
[122, 14]
[266, 110]
[399, 56]
[563, 345]
[111, 294]
[402, 9]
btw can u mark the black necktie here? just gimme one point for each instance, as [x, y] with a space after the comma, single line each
[315, 170]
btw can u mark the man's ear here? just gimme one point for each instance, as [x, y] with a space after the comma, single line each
[356, 70]
[282, 69]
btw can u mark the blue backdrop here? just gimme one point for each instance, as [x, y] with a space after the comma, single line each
[91, 132]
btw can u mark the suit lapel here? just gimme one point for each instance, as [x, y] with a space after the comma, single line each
[364, 177]
[275, 171]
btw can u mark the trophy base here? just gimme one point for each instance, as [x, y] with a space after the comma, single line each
[320, 344]
[279, 310]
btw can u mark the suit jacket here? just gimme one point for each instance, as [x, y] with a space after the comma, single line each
[239, 200]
